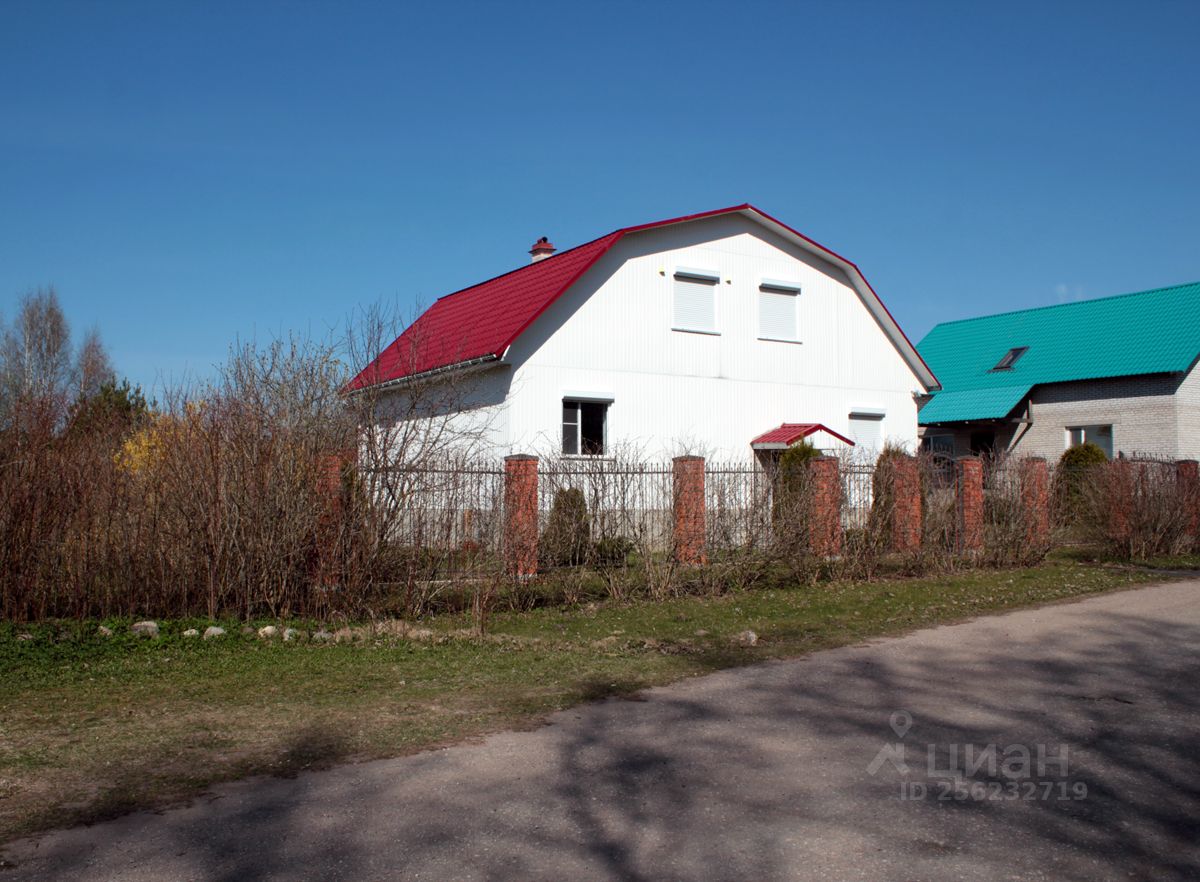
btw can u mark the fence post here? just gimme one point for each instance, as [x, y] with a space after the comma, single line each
[1187, 473]
[687, 501]
[332, 489]
[825, 510]
[1119, 501]
[968, 498]
[521, 515]
[1035, 501]
[906, 504]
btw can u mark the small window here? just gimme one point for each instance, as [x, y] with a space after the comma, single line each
[1101, 436]
[777, 313]
[584, 427]
[1010, 358]
[866, 430]
[695, 302]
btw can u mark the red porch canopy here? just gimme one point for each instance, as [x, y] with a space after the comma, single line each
[788, 434]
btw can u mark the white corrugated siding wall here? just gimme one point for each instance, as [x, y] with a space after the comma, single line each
[611, 336]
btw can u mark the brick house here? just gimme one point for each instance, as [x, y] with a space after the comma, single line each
[1117, 371]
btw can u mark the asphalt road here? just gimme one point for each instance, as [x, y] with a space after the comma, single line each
[805, 769]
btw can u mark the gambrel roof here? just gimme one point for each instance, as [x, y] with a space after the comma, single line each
[479, 323]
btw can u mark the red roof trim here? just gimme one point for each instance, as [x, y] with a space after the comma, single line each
[853, 266]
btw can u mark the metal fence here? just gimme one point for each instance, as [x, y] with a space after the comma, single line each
[449, 506]
[442, 507]
[737, 502]
[857, 489]
[620, 499]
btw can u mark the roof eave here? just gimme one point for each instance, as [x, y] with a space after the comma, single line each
[462, 367]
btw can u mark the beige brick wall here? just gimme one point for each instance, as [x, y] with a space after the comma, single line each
[1151, 414]
[1143, 412]
[1187, 401]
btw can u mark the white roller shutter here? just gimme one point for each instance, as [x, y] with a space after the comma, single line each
[694, 306]
[866, 430]
[777, 315]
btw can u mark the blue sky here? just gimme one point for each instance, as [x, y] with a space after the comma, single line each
[190, 174]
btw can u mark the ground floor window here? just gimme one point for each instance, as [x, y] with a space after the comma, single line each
[1101, 436]
[942, 445]
[584, 427]
[866, 430]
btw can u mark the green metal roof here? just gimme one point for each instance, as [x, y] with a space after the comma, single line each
[1151, 332]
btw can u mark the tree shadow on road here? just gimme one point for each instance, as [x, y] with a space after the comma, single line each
[757, 773]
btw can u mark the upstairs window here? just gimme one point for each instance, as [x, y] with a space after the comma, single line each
[695, 301]
[777, 311]
[584, 427]
[1010, 358]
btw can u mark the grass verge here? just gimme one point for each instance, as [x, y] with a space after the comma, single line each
[93, 727]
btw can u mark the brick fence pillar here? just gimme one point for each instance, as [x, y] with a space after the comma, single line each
[332, 488]
[906, 504]
[1119, 500]
[687, 500]
[1187, 473]
[968, 498]
[825, 507]
[1035, 500]
[521, 515]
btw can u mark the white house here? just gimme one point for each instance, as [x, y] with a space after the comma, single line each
[721, 333]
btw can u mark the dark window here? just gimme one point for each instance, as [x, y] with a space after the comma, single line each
[938, 444]
[983, 442]
[583, 427]
[1010, 358]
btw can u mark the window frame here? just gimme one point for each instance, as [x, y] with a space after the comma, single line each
[867, 415]
[777, 288]
[579, 403]
[1087, 434]
[709, 278]
[1009, 360]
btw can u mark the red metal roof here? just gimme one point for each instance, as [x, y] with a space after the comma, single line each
[789, 433]
[482, 321]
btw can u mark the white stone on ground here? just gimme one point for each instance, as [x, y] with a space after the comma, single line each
[747, 638]
[145, 629]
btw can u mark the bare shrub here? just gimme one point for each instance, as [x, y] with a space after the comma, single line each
[938, 515]
[1010, 534]
[1072, 475]
[1139, 509]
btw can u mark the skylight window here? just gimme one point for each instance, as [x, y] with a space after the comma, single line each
[1010, 358]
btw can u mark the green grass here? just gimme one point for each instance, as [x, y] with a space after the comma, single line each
[91, 727]
[1088, 554]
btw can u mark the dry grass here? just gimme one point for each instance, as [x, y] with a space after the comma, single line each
[93, 727]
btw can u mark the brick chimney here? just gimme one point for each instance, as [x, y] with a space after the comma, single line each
[541, 249]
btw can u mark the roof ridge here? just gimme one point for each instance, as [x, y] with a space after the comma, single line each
[526, 266]
[620, 231]
[977, 318]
